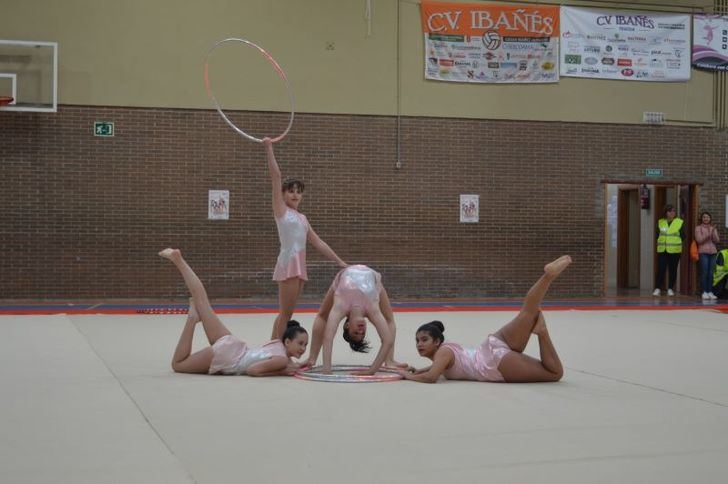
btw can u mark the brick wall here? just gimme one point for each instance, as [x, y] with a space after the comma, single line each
[83, 217]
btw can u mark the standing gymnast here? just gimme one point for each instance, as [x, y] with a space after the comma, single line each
[227, 355]
[356, 293]
[293, 232]
[500, 357]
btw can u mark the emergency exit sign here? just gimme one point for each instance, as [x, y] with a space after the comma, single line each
[653, 172]
[103, 128]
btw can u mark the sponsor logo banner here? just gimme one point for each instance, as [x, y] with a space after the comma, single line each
[710, 42]
[499, 35]
[645, 46]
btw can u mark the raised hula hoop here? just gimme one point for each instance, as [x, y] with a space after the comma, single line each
[278, 69]
[340, 374]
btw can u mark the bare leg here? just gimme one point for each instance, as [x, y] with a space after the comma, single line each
[386, 308]
[214, 329]
[517, 367]
[518, 331]
[183, 361]
[288, 292]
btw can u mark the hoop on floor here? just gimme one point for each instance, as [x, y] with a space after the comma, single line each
[278, 69]
[340, 374]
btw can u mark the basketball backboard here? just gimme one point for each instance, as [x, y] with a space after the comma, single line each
[29, 74]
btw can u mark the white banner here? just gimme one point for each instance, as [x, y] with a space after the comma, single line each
[635, 46]
[710, 42]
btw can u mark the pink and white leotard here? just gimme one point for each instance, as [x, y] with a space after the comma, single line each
[292, 231]
[230, 356]
[358, 285]
[478, 364]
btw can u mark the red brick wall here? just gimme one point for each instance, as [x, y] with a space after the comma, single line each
[83, 217]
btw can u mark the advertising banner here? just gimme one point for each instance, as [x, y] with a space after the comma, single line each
[485, 43]
[634, 46]
[710, 42]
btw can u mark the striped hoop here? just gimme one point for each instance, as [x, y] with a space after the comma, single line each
[341, 374]
[278, 69]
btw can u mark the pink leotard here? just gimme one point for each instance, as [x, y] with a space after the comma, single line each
[233, 357]
[358, 285]
[478, 364]
[292, 231]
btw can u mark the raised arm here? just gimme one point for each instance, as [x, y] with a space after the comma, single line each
[443, 359]
[324, 248]
[279, 206]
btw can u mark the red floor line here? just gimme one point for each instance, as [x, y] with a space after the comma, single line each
[425, 309]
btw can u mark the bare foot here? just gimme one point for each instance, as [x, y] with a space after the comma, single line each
[192, 312]
[553, 269]
[540, 326]
[170, 254]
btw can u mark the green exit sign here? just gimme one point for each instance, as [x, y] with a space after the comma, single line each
[653, 172]
[103, 128]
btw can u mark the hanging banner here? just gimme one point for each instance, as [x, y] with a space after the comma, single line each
[490, 43]
[634, 46]
[710, 42]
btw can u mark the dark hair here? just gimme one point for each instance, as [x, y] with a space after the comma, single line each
[669, 208]
[293, 328]
[289, 183]
[362, 346]
[705, 212]
[434, 329]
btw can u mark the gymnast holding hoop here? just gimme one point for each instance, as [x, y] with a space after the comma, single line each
[227, 355]
[500, 357]
[356, 293]
[293, 232]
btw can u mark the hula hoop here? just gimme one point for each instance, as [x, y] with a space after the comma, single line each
[278, 69]
[315, 374]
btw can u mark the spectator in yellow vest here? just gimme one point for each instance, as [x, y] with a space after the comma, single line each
[720, 277]
[670, 234]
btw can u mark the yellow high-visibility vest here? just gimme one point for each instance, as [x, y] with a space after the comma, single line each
[721, 270]
[669, 240]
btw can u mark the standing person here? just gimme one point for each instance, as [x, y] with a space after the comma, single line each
[670, 234]
[706, 236]
[293, 231]
[500, 357]
[227, 355]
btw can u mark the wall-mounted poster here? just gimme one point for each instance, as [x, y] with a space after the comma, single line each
[218, 205]
[469, 208]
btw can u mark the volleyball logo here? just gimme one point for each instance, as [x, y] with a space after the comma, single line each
[491, 40]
